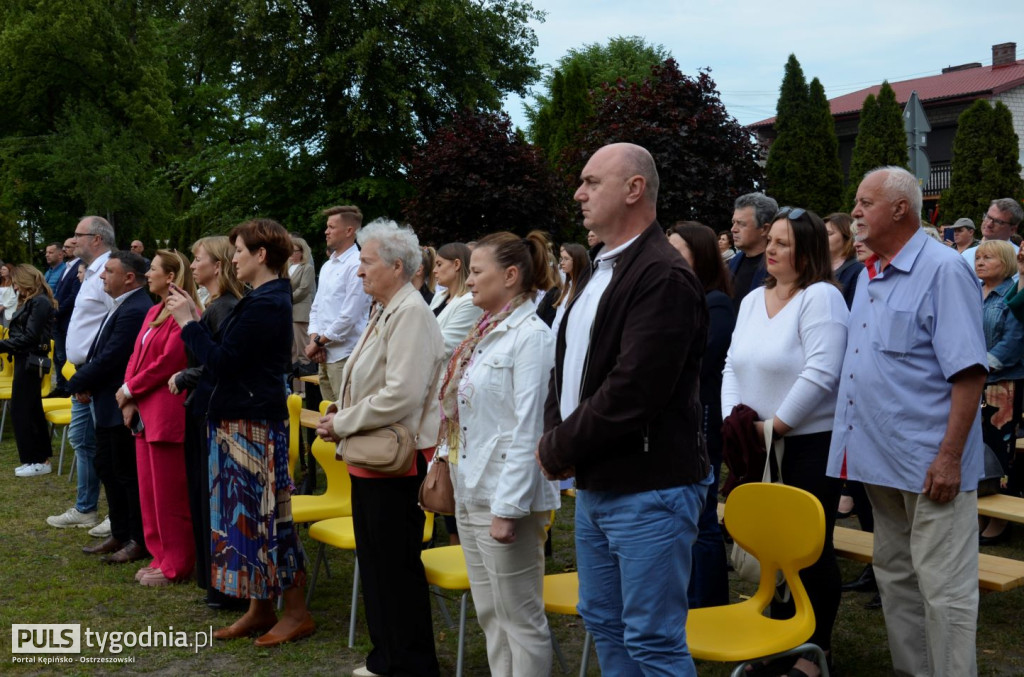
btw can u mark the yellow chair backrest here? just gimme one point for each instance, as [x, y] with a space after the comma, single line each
[339, 484]
[294, 431]
[68, 370]
[784, 527]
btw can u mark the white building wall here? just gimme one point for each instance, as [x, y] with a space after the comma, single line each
[1014, 100]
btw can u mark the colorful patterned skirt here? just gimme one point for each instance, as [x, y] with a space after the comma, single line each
[255, 549]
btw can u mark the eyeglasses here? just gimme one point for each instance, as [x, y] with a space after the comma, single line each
[791, 213]
[77, 234]
[998, 222]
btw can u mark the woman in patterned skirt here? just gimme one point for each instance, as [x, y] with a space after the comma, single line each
[255, 550]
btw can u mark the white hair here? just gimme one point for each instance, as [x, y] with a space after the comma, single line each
[395, 243]
[901, 184]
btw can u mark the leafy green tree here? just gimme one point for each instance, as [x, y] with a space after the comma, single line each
[477, 176]
[705, 158]
[985, 161]
[627, 58]
[881, 140]
[827, 180]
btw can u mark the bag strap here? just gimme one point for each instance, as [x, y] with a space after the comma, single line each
[772, 447]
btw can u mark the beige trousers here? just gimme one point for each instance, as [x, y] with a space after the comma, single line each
[507, 582]
[330, 379]
[926, 565]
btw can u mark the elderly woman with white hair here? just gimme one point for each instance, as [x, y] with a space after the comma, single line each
[390, 378]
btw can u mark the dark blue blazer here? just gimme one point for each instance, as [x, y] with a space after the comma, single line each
[103, 371]
[755, 282]
[65, 293]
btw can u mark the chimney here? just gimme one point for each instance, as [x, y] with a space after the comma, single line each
[1004, 54]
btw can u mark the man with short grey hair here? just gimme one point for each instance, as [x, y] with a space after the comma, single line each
[908, 426]
[94, 238]
[751, 217]
[999, 222]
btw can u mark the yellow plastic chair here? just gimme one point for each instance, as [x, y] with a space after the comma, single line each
[336, 501]
[561, 596]
[294, 432]
[7, 385]
[339, 532]
[784, 527]
[61, 417]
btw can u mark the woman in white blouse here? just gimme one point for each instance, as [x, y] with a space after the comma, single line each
[784, 363]
[454, 308]
[492, 399]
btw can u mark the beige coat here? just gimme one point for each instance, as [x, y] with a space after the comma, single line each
[393, 370]
[303, 291]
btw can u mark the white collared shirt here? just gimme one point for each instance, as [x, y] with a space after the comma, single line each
[581, 321]
[341, 308]
[91, 305]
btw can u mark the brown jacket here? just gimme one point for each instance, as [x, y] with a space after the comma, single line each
[638, 425]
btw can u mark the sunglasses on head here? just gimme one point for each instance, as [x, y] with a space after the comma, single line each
[791, 213]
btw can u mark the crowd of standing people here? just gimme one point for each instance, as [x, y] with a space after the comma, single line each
[887, 361]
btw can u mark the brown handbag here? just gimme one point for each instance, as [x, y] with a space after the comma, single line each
[388, 450]
[437, 495]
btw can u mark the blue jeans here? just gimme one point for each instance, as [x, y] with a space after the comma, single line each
[633, 555]
[83, 438]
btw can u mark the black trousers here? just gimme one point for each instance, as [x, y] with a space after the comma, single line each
[197, 474]
[388, 526]
[30, 431]
[117, 469]
[803, 466]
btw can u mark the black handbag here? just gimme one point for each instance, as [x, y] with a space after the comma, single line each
[40, 362]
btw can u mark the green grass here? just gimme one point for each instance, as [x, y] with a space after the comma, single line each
[46, 579]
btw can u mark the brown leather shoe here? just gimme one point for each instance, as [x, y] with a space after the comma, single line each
[131, 552]
[239, 629]
[272, 638]
[111, 544]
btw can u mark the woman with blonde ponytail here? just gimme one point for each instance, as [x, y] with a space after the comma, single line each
[492, 398]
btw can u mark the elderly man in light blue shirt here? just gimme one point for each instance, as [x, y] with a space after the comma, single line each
[908, 426]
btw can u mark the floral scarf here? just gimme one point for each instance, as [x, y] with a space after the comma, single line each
[449, 433]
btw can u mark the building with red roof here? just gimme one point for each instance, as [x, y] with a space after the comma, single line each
[944, 97]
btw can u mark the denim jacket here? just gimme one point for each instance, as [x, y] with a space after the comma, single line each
[1004, 336]
[501, 411]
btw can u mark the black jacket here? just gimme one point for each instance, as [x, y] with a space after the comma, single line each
[31, 328]
[65, 293]
[103, 371]
[638, 425]
[194, 379]
[249, 359]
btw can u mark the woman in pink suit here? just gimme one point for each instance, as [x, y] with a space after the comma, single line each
[158, 420]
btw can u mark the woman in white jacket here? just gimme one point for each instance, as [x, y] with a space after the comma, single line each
[454, 308]
[492, 399]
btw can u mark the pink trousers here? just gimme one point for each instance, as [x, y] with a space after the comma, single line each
[163, 497]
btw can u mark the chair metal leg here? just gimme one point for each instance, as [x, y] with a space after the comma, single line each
[819, 658]
[440, 599]
[355, 601]
[3, 420]
[585, 661]
[563, 668]
[462, 634]
[320, 557]
[74, 465]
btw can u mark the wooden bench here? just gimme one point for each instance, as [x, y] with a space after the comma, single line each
[309, 418]
[1009, 508]
[994, 573]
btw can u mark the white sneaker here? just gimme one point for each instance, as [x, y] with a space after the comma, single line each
[363, 671]
[20, 469]
[73, 518]
[33, 470]
[101, 530]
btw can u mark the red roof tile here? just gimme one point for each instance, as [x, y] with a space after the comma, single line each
[972, 82]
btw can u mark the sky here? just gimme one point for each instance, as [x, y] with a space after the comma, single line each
[745, 43]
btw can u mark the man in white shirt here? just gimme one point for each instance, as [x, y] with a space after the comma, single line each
[94, 238]
[999, 222]
[341, 307]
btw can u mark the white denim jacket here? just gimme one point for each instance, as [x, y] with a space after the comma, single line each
[501, 412]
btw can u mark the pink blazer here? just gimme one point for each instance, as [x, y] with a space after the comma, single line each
[149, 368]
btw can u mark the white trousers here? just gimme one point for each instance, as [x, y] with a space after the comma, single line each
[926, 566]
[507, 583]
